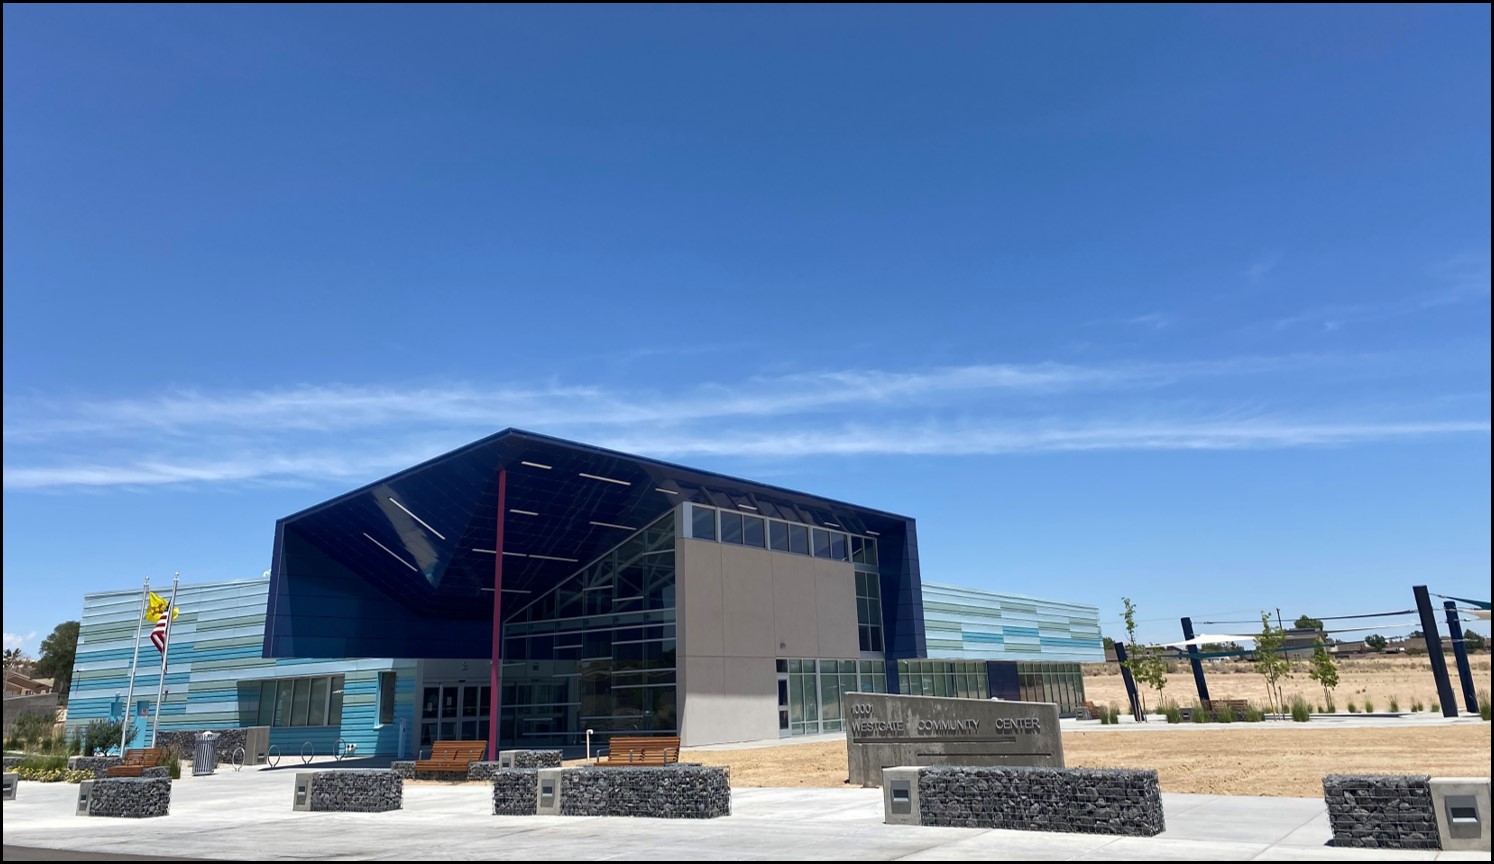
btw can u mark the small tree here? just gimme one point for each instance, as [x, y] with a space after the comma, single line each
[1305, 623]
[1473, 641]
[1149, 669]
[1145, 663]
[1323, 670]
[1271, 661]
[1375, 642]
[16, 660]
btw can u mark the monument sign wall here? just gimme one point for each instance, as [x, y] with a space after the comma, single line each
[884, 730]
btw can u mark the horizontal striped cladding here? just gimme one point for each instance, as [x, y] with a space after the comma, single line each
[963, 623]
[217, 642]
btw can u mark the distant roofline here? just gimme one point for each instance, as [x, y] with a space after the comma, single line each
[577, 445]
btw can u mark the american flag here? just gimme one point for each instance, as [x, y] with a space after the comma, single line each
[158, 633]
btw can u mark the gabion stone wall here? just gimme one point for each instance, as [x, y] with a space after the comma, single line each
[674, 792]
[12, 761]
[131, 797]
[97, 764]
[1381, 811]
[184, 743]
[404, 768]
[357, 790]
[522, 759]
[157, 771]
[1076, 800]
[514, 791]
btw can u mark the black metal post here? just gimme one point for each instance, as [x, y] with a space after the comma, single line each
[1460, 654]
[1198, 668]
[1434, 651]
[1131, 694]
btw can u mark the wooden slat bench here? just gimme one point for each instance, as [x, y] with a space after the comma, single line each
[650, 750]
[452, 756]
[135, 762]
[1238, 706]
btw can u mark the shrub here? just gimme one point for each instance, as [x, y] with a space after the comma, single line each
[100, 735]
[1436, 708]
[1115, 714]
[172, 761]
[43, 769]
[1301, 711]
[1484, 705]
[1369, 706]
[1171, 712]
[1395, 705]
[33, 727]
[1200, 714]
[1417, 705]
[1353, 708]
[1224, 715]
[77, 776]
[1253, 714]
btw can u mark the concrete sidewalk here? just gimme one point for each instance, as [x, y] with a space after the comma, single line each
[247, 815]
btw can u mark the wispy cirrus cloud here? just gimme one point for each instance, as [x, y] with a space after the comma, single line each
[1263, 265]
[331, 407]
[340, 433]
[1464, 278]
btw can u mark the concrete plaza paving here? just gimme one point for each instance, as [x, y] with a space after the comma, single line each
[247, 815]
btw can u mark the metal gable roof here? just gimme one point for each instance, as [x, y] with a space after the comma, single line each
[424, 538]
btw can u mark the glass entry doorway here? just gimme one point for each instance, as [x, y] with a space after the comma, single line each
[454, 712]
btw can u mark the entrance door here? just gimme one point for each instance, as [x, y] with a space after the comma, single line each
[454, 712]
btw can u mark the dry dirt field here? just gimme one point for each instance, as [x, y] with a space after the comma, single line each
[1378, 677]
[1288, 759]
[1276, 758]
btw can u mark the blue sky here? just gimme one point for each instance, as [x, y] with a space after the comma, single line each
[1184, 304]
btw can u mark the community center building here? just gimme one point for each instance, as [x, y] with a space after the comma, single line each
[635, 596]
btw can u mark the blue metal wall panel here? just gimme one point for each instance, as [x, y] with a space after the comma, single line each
[986, 625]
[216, 668]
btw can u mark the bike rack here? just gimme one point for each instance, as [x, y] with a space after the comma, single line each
[274, 756]
[340, 750]
[236, 759]
[306, 757]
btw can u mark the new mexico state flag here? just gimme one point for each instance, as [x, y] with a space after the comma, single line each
[157, 605]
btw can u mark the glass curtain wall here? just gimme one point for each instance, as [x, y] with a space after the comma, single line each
[1060, 683]
[965, 679]
[597, 651]
[817, 689]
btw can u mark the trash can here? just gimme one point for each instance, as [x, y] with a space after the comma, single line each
[205, 754]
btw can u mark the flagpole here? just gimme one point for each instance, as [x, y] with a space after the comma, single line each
[155, 719]
[124, 725]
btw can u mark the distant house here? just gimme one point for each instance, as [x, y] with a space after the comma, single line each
[1356, 647]
[17, 684]
[1300, 638]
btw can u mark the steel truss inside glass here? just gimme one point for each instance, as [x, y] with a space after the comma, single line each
[597, 651]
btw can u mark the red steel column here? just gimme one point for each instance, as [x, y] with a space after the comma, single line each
[495, 675]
